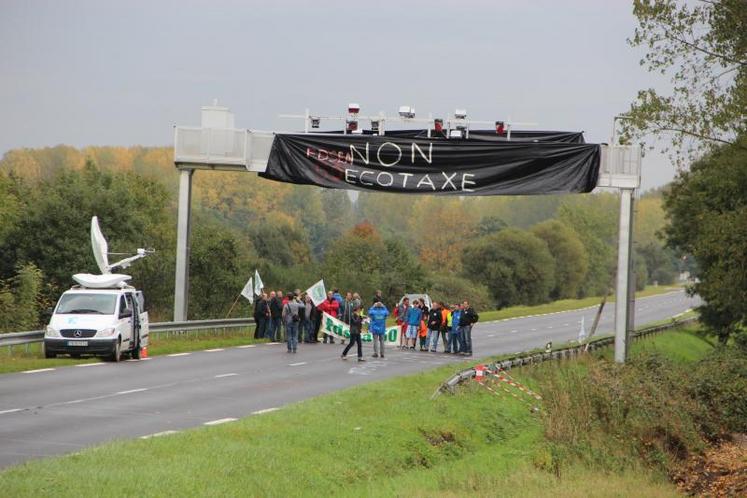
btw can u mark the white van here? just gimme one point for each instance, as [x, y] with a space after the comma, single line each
[110, 322]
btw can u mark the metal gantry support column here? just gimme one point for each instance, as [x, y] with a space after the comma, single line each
[623, 313]
[183, 228]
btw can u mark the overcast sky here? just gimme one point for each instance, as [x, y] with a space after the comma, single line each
[101, 72]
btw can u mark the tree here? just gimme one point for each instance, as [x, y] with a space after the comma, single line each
[54, 231]
[354, 261]
[703, 47]
[571, 258]
[594, 219]
[220, 264]
[707, 209]
[515, 266]
[20, 299]
[441, 227]
[401, 272]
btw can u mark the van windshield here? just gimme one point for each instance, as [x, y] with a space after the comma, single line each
[95, 304]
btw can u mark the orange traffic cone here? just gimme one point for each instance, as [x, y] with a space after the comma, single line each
[144, 352]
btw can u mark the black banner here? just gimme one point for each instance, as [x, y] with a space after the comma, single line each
[433, 166]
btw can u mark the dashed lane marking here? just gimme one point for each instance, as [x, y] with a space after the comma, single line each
[266, 410]
[93, 364]
[272, 343]
[133, 391]
[246, 346]
[38, 370]
[298, 364]
[215, 350]
[225, 375]
[178, 354]
[12, 410]
[159, 434]
[221, 421]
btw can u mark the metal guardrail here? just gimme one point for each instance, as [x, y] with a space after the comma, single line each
[156, 328]
[559, 354]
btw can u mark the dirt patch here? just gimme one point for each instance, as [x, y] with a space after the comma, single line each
[721, 471]
[439, 438]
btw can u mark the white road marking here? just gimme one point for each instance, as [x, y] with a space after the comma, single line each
[245, 346]
[549, 326]
[38, 370]
[491, 335]
[158, 434]
[225, 375]
[73, 402]
[297, 364]
[220, 421]
[533, 330]
[272, 343]
[91, 364]
[266, 410]
[12, 410]
[214, 350]
[513, 332]
[179, 354]
[133, 391]
[131, 359]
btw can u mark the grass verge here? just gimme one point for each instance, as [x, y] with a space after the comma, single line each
[381, 439]
[32, 358]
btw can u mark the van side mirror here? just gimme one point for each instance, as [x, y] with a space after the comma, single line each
[125, 313]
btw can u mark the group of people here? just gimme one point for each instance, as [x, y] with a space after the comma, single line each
[295, 317]
[419, 324]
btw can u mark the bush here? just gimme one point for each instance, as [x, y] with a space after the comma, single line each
[453, 289]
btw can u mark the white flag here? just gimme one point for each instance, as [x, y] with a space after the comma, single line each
[248, 291]
[317, 293]
[582, 332]
[258, 285]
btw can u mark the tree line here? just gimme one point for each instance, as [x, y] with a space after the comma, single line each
[496, 251]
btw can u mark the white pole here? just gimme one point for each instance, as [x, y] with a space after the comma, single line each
[623, 275]
[181, 286]
[306, 122]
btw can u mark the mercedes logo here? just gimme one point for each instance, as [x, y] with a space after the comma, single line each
[77, 333]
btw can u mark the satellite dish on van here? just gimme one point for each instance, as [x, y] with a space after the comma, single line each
[101, 254]
[100, 247]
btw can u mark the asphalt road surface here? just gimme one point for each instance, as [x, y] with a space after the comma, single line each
[55, 411]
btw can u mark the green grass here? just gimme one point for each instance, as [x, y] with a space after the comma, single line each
[565, 305]
[32, 358]
[381, 439]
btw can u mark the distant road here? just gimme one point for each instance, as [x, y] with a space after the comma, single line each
[62, 410]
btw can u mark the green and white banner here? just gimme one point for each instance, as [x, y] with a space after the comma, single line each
[339, 329]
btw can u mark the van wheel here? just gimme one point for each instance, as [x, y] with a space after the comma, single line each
[117, 354]
[48, 354]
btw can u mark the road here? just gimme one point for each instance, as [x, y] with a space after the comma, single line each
[56, 411]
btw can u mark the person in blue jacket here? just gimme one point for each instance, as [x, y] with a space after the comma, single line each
[456, 315]
[377, 326]
[414, 315]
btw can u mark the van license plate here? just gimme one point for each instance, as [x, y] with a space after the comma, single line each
[77, 343]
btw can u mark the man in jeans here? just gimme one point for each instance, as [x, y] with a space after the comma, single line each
[378, 313]
[435, 318]
[466, 320]
[455, 337]
[292, 319]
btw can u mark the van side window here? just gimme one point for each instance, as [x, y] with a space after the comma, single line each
[122, 305]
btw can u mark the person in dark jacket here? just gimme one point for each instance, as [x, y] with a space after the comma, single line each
[378, 298]
[466, 320]
[261, 315]
[356, 322]
[276, 316]
[435, 317]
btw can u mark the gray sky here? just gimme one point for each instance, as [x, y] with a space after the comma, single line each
[101, 72]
